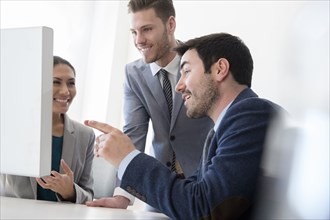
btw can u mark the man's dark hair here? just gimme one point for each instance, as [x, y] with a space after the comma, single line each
[211, 48]
[163, 8]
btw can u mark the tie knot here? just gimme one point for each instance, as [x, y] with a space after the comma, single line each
[163, 72]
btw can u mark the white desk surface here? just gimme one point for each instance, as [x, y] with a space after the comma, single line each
[15, 208]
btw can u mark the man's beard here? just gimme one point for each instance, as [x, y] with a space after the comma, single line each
[204, 100]
[162, 48]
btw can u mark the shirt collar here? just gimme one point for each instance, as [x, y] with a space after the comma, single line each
[218, 121]
[172, 67]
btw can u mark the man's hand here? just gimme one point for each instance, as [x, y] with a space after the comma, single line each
[113, 145]
[119, 202]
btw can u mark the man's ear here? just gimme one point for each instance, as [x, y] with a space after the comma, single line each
[171, 24]
[222, 69]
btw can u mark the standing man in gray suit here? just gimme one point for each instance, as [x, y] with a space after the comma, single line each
[178, 140]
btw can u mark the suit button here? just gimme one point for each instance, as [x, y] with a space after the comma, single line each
[168, 164]
[172, 137]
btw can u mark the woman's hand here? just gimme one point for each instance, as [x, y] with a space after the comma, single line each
[60, 183]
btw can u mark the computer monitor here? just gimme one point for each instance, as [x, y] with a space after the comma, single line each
[26, 100]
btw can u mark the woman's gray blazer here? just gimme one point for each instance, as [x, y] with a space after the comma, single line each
[78, 143]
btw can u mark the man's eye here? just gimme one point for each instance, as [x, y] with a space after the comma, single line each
[147, 29]
[185, 72]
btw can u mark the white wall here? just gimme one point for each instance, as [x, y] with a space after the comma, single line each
[94, 36]
[89, 35]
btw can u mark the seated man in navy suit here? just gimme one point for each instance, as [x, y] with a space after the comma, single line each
[216, 75]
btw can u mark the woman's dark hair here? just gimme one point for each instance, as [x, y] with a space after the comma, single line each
[60, 60]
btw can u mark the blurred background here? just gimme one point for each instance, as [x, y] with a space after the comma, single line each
[289, 41]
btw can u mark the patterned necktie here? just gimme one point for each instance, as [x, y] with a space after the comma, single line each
[206, 148]
[167, 89]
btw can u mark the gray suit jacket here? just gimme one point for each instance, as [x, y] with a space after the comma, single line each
[144, 100]
[78, 143]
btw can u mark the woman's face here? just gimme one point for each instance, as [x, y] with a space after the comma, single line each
[64, 88]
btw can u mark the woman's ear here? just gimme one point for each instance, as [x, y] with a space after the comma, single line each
[222, 69]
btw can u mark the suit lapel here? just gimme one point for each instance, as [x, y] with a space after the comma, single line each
[68, 142]
[177, 104]
[156, 90]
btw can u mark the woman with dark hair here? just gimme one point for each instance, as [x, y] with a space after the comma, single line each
[72, 151]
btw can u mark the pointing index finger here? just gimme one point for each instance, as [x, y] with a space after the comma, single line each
[103, 127]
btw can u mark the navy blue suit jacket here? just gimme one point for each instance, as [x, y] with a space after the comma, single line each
[227, 188]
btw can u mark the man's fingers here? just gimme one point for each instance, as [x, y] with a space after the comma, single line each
[103, 127]
[97, 203]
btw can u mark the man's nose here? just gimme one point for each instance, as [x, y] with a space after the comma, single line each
[180, 86]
